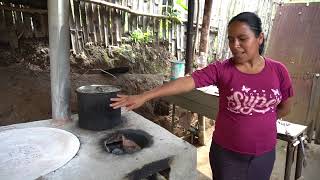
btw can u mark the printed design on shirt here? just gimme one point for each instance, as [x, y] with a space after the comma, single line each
[247, 100]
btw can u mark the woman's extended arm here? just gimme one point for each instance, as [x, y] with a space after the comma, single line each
[284, 108]
[178, 86]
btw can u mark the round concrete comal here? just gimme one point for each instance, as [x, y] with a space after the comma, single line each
[33, 152]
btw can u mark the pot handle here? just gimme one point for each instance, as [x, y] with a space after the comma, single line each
[99, 89]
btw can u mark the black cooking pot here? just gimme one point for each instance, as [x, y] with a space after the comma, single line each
[94, 108]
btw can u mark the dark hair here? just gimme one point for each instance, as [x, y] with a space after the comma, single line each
[253, 21]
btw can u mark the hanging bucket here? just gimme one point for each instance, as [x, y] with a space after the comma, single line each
[177, 69]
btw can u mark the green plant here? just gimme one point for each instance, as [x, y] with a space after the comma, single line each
[174, 14]
[137, 36]
[182, 4]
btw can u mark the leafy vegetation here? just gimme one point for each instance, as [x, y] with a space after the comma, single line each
[174, 14]
[137, 36]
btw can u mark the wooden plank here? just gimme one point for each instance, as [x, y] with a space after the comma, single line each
[183, 38]
[102, 13]
[173, 37]
[124, 19]
[19, 21]
[118, 25]
[90, 25]
[140, 17]
[106, 24]
[14, 16]
[126, 22]
[28, 33]
[155, 21]
[44, 25]
[144, 18]
[179, 39]
[156, 30]
[101, 27]
[111, 25]
[164, 22]
[130, 16]
[36, 20]
[78, 29]
[8, 17]
[150, 25]
[2, 18]
[134, 17]
[72, 25]
[95, 22]
[83, 21]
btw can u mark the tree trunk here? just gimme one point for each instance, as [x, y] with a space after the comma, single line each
[189, 48]
[205, 27]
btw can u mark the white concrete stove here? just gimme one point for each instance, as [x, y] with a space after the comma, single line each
[93, 162]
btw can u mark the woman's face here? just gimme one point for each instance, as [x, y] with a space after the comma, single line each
[243, 43]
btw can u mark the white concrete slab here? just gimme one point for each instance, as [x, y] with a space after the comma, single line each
[92, 162]
[32, 152]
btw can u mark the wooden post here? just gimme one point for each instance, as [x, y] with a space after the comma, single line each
[173, 118]
[205, 27]
[289, 161]
[190, 48]
[202, 130]
[299, 160]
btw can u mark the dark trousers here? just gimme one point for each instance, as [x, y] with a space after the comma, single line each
[229, 165]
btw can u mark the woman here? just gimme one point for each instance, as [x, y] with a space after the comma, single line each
[253, 92]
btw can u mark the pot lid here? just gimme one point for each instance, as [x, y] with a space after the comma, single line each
[98, 89]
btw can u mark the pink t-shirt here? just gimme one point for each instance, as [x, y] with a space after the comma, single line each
[246, 121]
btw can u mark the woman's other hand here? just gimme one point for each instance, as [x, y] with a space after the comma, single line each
[129, 102]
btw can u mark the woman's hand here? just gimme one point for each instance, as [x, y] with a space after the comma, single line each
[178, 86]
[129, 102]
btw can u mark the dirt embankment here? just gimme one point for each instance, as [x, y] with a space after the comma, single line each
[25, 76]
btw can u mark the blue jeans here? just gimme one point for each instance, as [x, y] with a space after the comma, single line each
[230, 165]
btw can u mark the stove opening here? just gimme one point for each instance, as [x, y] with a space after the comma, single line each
[127, 141]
